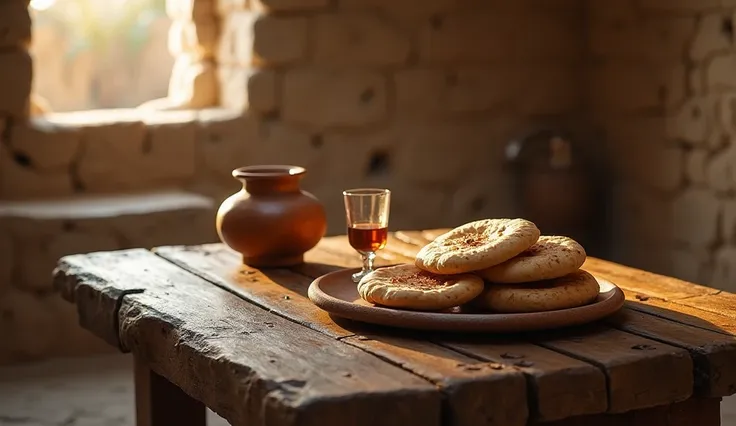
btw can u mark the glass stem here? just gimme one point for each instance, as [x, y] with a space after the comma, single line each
[368, 259]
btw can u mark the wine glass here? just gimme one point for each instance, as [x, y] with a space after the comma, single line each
[366, 210]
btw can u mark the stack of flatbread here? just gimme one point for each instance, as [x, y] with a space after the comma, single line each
[499, 265]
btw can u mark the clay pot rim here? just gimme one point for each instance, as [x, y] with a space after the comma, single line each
[268, 171]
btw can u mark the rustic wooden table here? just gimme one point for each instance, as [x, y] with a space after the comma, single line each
[247, 343]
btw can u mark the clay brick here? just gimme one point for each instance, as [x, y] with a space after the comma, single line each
[322, 97]
[695, 165]
[193, 83]
[721, 171]
[191, 10]
[662, 39]
[199, 39]
[15, 24]
[45, 144]
[429, 92]
[710, 37]
[289, 5]
[359, 39]
[632, 87]
[279, 40]
[695, 215]
[453, 38]
[16, 73]
[692, 122]
[243, 88]
[19, 180]
[226, 140]
[720, 75]
[236, 38]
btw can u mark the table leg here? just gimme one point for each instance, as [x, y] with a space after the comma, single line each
[694, 411]
[159, 402]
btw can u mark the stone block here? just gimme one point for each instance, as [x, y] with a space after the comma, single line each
[551, 36]
[695, 214]
[549, 89]
[692, 122]
[289, 5]
[720, 74]
[20, 180]
[45, 231]
[193, 83]
[251, 38]
[728, 221]
[725, 108]
[16, 73]
[226, 140]
[724, 269]
[15, 24]
[406, 197]
[44, 144]
[695, 165]
[359, 39]
[236, 38]
[248, 88]
[226, 6]
[453, 38]
[7, 260]
[328, 97]
[650, 39]
[690, 6]
[279, 40]
[691, 265]
[721, 171]
[28, 327]
[633, 87]
[711, 38]
[198, 39]
[487, 193]
[431, 92]
[191, 10]
[640, 216]
[170, 147]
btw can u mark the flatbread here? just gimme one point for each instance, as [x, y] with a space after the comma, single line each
[550, 257]
[408, 287]
[477, 245]
[576, 289]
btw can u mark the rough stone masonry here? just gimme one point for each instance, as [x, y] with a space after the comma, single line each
[419, 96]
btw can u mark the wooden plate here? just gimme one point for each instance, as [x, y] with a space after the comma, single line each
[337, 294]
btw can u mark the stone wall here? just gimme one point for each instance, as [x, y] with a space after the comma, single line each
[661, 77]
[417, 96]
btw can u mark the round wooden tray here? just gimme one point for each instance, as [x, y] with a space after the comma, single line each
[337, 294]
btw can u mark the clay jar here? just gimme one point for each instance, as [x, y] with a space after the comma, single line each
[271, 221]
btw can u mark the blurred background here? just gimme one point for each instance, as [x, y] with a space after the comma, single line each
[121, 120]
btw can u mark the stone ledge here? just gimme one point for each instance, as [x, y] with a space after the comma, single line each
[88, 207]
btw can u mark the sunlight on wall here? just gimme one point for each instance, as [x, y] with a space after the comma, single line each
[91, 54]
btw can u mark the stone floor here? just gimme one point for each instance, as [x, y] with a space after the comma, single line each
[98, 392]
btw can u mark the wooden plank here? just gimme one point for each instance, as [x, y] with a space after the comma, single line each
[713, 354]
[562, 387]
[159, 402]
[248, 365]
[640, 372]
[680, 313]
[503, 396]
[278, 290]
[477, 392]
[643, 282]
[720, 302]
[693, 412]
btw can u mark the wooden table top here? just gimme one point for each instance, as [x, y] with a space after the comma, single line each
[251, 346]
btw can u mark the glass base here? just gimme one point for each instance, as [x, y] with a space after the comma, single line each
[359, 275]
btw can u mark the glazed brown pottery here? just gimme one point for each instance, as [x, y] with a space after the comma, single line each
[271, 221]
[337, 294]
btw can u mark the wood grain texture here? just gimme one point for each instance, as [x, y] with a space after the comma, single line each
[713, 354]
[693, 412]
[560, 386]
[266, 371]
[640, 372]
[474, 395]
